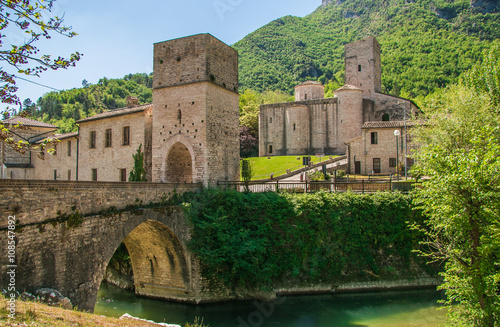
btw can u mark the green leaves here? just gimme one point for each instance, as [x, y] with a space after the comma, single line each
[26, 15]
[256, 239]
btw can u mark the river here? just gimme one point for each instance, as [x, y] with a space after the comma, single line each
[416, 308]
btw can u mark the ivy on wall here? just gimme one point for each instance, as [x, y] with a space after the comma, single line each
[257, 240]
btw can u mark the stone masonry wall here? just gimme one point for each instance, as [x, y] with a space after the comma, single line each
[110, 160]
[61, 165]
[35, 201]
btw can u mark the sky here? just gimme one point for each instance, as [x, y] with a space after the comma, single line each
[116, 37]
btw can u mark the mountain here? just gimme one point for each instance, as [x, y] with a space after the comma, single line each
[426, 44]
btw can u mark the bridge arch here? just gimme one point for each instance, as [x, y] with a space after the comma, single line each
[156, 240]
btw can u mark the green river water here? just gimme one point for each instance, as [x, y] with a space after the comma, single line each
[416, 308]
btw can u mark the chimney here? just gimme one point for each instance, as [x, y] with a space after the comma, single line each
[132, 102]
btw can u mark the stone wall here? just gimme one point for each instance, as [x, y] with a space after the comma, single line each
[363, 151]
[59, 166]
[301, 127]
[109, 161]
[35, 201]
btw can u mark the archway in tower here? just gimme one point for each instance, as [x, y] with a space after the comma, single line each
[179, 168]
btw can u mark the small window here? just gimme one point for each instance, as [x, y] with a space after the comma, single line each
[270, 149]
[93, 137]
[69, 148]
[94, 174]
[126, 135]
[392, 162]
[359, 68]
[55, 149]
[305, 96]
[376, 165]
[55, 174]
[108, 138]
[385, 117]
[270, 120]
[374, 137]
[123, 175]
[408, 137]
[294, 126]
[69, 174]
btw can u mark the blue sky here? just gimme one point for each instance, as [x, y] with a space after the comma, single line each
[116, 37]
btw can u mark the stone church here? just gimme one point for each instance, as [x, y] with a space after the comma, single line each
[188, 134]
[314, 125]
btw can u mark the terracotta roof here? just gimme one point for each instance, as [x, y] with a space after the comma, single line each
[27, 122]
[348, 87]
[116, 112]
[65, 136]
[390, 124]
[309, 83]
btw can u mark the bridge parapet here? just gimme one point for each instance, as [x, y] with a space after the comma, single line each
[34, 201]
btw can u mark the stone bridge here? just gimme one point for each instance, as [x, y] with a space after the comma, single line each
[65, 237]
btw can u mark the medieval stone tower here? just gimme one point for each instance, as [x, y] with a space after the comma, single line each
[195, 109]
[363, 68]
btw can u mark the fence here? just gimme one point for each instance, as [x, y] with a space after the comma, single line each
[338, 185]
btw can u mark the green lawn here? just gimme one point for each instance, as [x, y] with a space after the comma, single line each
[262, 167]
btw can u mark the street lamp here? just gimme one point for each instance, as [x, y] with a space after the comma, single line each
[397, 133]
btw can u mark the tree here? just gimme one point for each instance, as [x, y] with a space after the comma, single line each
[246, 173]
[138, 173]
[28, 17]
[460, 153]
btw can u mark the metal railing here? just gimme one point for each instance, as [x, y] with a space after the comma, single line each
[338, 185]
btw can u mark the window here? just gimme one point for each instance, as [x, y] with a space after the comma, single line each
[123, 175]
[374, 137]
[93, 137]
[94, 174]
[408, 137]
[306, 96]
[126, 135]
[385, 117]
[392, 162]
[69, 148]
[69, 174]
[270, 149]
[294, 126]
[108, 138]
[55, 174]
[359, 68]
[270, 120]
[376, 165]
[55, 149]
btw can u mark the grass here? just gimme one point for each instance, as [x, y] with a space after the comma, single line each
[263, 167]
[41, 315]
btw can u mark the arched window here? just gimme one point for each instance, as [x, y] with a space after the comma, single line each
[385, 117]
[270, 149]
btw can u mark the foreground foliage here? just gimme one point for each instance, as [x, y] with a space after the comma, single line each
[461, 154]
[259, 240]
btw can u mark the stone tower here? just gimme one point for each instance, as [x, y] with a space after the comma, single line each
[362, 65]
[309, 90]
[350, 114]
[195, 109]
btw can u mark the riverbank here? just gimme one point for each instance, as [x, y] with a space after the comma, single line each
[41, 315]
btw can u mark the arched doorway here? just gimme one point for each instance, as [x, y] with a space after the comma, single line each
[179, 165]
